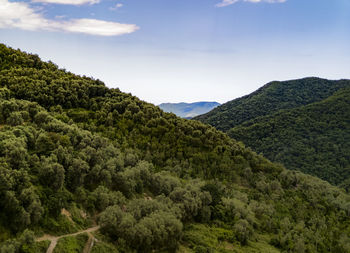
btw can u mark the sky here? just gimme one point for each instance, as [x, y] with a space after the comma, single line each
[184, 50]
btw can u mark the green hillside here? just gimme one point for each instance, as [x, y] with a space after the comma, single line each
[303, 124]
[73, 152]
[314, 138]
[271, 98]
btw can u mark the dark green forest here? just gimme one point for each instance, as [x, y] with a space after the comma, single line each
[303, 124]
[314, 139]
[272, 97]
[153, 182]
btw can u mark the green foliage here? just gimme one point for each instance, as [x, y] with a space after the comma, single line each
[103, 244]
[24, 244]
[81, 146]
[145, 225]
[243, 231]
[192, 201]
[271, 98]
[303, 124]
[202, 238]
[71, 244]
[196, 148]
[314, 139]
[102, 198]
[38, 247]
[59, 226]
[164, 183]
[102, 247]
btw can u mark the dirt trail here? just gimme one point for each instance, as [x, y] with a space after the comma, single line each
[89, 244]
[54, 239]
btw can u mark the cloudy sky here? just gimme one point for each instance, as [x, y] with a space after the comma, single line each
[184, 50]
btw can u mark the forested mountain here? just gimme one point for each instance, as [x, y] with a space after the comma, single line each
[188, 110]
[314, 138]
[271, 98]
[73, 152]
[303, 124]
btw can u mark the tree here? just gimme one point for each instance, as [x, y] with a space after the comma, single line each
[51, 173]
[15, 119]
[243, 231]
[102, 198]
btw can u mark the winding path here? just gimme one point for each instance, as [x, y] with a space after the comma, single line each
[54, 239]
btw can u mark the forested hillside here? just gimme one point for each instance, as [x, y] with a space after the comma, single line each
[271, 98]
[303, 124]
[314, 139]
[73, 152]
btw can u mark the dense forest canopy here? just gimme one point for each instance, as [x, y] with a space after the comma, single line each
[151, 180]
[271, 98]
[303, 124]
[314, 139]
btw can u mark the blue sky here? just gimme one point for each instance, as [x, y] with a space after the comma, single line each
[184, 50]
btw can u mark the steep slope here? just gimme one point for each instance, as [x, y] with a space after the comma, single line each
[314, 138]
[271, 98]
[303, 124]
[188, 110]
[156, 182]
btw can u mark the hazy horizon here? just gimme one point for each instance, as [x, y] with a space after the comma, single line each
[188, 51]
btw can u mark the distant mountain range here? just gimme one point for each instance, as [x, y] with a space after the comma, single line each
[188, 110]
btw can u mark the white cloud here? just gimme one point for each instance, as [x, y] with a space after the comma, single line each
[70, 2]
[21, 15]
[116, 7]
[229, 2]
[98, 27]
